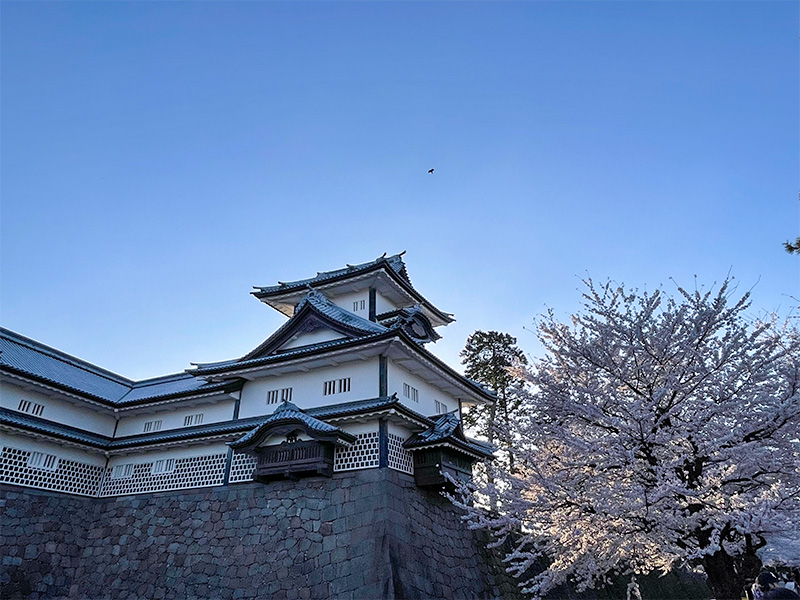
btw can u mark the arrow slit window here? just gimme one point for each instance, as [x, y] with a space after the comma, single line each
[336, 386]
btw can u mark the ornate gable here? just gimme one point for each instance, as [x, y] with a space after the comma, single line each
[316, 320]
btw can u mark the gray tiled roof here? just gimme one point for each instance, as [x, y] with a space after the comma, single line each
[320, 302]
[28, 356]
[209, 368]
[447, 429]
[284, 413]
[171, 435]
[18, 419]
[169, 385]
[49, 365]
[311, 416]
[395, 262]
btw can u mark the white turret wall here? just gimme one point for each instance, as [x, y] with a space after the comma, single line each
[308, 388]
[427, 394]
[173, 415]
[94, 418]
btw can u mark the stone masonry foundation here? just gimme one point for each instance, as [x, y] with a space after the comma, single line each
[368, 534]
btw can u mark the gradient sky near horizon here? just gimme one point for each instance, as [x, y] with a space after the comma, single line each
[160, 159]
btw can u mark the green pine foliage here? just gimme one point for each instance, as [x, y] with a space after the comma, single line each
[490, 358]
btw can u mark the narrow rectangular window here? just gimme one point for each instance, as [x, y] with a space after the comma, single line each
[31, 408]
[122, 471]
[193, 420]
[336, 386]
[441, 407]
[163, 465]
[410, 392]
[359, 305]
[40, 460]
[282, 395]
[152, 426]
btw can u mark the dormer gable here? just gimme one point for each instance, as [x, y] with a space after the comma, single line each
[411, 320]
[316, 321]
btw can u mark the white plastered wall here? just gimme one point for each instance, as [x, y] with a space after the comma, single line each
[382, 304]
[307, 387]
[399, 430]
[346, 301]
[173, 414]
[149, 456]
[75, 414]
[397, 376]
[356, 428]
[313, 337]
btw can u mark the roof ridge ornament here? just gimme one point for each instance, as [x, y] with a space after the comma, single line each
[287, 406]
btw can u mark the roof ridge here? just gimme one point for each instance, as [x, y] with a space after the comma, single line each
[17, 338]
[395, 262]
[160, 379]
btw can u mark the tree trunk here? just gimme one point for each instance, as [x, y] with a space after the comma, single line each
[728, 576]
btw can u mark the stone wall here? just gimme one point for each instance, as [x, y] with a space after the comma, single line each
[364, 534]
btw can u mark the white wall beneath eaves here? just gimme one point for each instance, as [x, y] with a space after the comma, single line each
[307, 387]
[23, 442]
[313, 337]
[176, 452]
[382, 304]
[87, 418]
[399, 430]
[346, 301]
[398, 375]
[173, 414]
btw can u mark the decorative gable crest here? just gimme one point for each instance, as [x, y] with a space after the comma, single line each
[315, 313]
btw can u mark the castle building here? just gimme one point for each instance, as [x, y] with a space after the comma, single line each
[346, 383]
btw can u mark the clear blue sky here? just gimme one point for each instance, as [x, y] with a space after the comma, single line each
[159, 159]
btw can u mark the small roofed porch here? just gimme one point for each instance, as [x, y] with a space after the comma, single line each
[443, 455]
[291, 444]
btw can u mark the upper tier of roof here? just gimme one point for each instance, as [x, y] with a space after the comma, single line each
[394, 262]
[387, 274]
[28, 357]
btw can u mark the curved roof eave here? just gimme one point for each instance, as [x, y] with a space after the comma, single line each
[275, 292]
[231, 369]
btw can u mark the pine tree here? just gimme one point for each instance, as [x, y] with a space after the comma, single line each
[488, 357]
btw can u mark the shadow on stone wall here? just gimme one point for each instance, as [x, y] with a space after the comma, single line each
[365, 534]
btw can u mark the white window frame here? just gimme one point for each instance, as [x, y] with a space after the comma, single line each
[30, 407]
[195, 419]
[410, 392]
[151, 426]
[122, 471]
[359, 305]
[336, 386]
[441, 407]
[42, 461]
[163, 466]
[282, 395]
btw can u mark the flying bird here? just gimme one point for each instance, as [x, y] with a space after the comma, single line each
[430, 170]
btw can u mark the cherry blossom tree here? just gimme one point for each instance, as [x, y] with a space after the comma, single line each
[662, 432]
